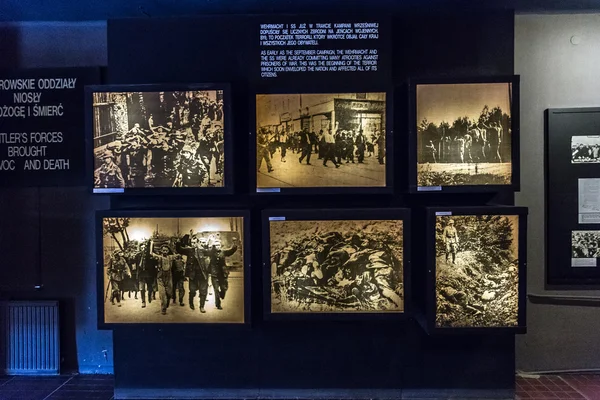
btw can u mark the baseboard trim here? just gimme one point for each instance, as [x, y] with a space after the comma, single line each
[317, 394]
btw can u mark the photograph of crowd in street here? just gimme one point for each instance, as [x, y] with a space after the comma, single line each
[585, 149]
[337, 266]
[477, 271]
[158, 139]
[464, 134]
[321, 140]
[173, 270]
[585, 244]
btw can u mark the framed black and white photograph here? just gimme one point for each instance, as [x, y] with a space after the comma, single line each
[331, 263]
[585, 248]
[172, 267]
[572, 197]
[477, 267]
[332, 142]
[585, 149]
[464, 134]
[153, 139]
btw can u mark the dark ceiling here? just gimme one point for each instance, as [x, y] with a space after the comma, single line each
[80, 10]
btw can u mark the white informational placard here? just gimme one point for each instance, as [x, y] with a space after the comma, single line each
[589, 201]
[583, 262]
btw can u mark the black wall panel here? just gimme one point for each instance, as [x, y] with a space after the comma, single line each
[294, 354]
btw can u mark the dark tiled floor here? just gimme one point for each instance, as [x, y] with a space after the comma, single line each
[100, 387]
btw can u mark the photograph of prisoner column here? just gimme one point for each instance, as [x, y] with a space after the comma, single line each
[321, 140]
[158, 139]
[151, 273]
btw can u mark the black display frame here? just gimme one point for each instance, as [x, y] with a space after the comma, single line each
[228, 174]
[515, 184]
[554, 279]
[355, 88]
[102, 325]
[403, 214]
[429, 318]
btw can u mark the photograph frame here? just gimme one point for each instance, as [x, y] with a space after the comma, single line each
[515, 184]
[429, 319]
[228, 173]
[100, 215]
[330, 190]
[553, 278]
[403, 214]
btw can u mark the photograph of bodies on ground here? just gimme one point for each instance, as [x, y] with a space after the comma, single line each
[337, 266]
[173, 270]
[321, 140]
[477, 271]
[464, 134]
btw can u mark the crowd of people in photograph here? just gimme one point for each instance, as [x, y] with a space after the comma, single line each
[187, 152]
[336, 146]
[163, 264]
[480, 143]
[585, 153]
[586, 244]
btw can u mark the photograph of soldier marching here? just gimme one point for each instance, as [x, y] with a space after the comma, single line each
[464, 134]
[188, 270]
[477, 270]
[158, 139]
[585, 244]
[585, 149]
[337, 266]
[320, 140]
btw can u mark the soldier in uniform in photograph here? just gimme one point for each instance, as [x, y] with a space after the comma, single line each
[450, 236]
[360, 146]
[218, 270]
[178, 278]
[196, 269]
[165, 276]
[109, 174]
[117, 272]
[380, 146]
[190, 171]
[146, 273]
[135, 156]
[262, 151]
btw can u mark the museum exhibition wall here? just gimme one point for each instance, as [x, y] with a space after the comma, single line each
[267, 331]
[561, 49]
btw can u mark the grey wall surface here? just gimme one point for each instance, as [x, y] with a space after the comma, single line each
[554, 73]
[62, 217]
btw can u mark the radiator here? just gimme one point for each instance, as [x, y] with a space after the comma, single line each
[31, 338]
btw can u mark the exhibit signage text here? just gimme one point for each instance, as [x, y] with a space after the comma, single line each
[42, 126]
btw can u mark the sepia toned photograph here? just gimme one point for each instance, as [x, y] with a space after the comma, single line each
[477, 271]
[464, 134]
[173, 270]
[585, 149]
[337, 266]
[158, 139]
[320, 140]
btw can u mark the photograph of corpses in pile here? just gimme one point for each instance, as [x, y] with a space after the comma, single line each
[337, 266]
[158, 139]
[464, 134]
[320, 140]
[585, 149]
[173, 270]
[477, 271]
